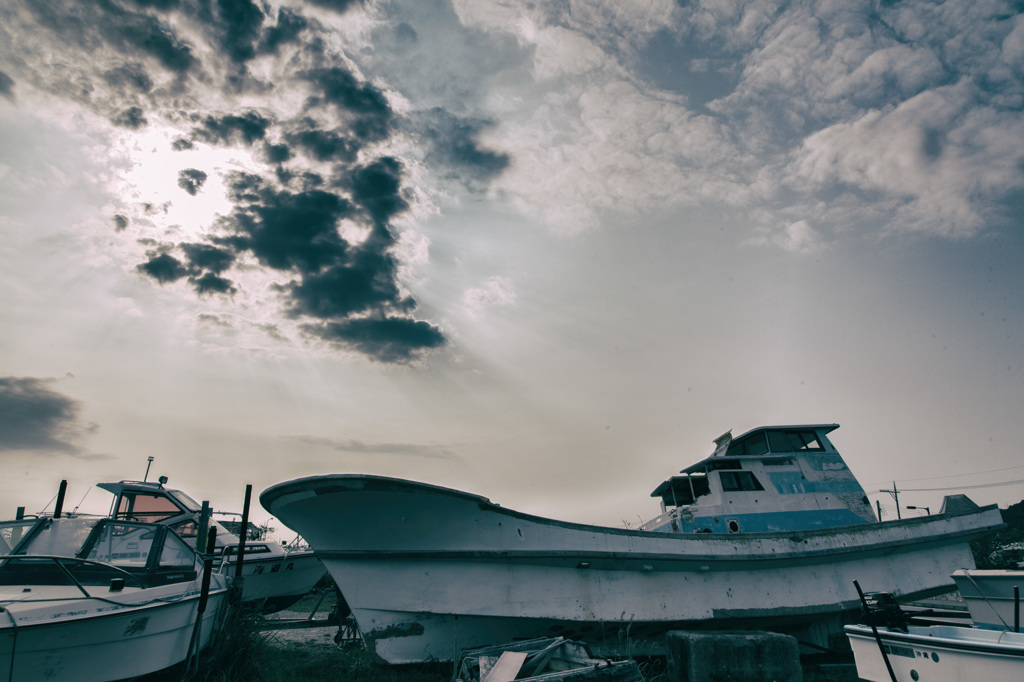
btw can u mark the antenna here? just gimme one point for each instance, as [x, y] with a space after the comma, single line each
[149, 462]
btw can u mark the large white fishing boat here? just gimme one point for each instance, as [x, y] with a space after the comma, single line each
[768, 532]
[87, 599]
[274, 577]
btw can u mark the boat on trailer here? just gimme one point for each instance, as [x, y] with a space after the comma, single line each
[429, 570]
[87, 599]
[274, 577]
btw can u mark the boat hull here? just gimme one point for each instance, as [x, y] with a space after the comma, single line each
[276, 582]
[938, 654]
[81, 640]
[989, 596]
[429, 570]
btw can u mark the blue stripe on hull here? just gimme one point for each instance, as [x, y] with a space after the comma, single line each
[762, 522]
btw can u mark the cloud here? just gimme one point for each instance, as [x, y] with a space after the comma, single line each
[945, 160]
[362, 447]
[6, 86]
[35, 417]
[495, 292]
[622, 124]
[322, 154]
[453, 144]
[191, 180]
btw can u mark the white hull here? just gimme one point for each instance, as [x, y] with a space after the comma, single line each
[276, 582]
[429, 571]
[989, 596]
[75, 639]
[938, 654]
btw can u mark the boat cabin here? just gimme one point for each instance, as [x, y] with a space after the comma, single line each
[152, 502]
[772, 478]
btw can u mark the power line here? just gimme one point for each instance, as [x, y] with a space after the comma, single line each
[973, 473]
[959, 487]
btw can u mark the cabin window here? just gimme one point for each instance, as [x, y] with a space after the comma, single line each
[739, 480]
[150, 508]
[803, 440]
[752, 445]
[186, 529]
[679, 491]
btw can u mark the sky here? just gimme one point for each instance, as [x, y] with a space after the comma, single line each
[540, 251]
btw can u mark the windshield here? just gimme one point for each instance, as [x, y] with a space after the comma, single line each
[59, 537]
[11, 533]
[186, 501]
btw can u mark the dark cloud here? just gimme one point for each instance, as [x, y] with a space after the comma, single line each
[336, 5]
[130, 32]
[231, 128]
[131, 117]
[324, 145]
[242, 23]
[129, 77]
[157, 4]
[377, 187]
[365, 106]
[364, 282]
[349, 291]
[202, 266]
[207, 257]
[454, 147]
[163, 267]
[285, 230]
[396, 340]
[314, 177]
[6, 86]
[209, 283]
[276, 153]
[191, 180]
[33, 416]
[288, 28]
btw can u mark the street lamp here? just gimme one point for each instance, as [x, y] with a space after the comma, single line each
[927, 510]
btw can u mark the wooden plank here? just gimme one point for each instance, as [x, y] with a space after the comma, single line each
[507, 667]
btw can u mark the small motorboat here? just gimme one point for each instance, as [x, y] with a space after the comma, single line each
[890, 648]
[87, 599]
[990, 596]
[428, 570]
[274, 577]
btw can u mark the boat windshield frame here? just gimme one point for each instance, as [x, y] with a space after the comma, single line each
[132, 546]
[184, 500]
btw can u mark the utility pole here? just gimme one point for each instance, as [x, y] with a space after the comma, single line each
[896, 496]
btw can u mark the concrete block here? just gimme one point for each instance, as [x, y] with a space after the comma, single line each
[732, 656]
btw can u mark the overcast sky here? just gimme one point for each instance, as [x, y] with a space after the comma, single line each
[540, 251]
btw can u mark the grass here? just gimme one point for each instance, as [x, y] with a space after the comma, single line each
[244, 653]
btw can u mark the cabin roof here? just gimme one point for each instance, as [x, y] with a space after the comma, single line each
[117, 487]
[719, 456]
